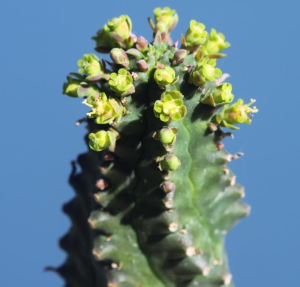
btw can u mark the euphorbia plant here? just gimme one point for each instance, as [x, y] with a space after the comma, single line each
[154, 185]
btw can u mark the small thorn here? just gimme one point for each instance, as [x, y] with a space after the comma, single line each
[108, 238]
[220, 146]
[80, 121]
[101, 184]
[242, 193]
[225, 135]
[199, 251]
[206, 271]
[190, 251]
[212, 127]
[232, 180]
[108, 156]
[92, 223]
[183, 231]
[237, 155]
[227, 279]
[97, 254]
[103, 169]
[173, 226]
[50, 268]
[216, 262]
[168, 203]
[111, 285]
[114, 265]
[225, 169]
[97, 197]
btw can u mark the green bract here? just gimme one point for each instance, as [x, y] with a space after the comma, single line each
[238, 113]
[102, 140]
[122, 83]
[221, 95]
[91, 66]
[215, 43]
[164, 76]
[195, 35]
[116, 33]
[104, 109]
[204, 71]
[166, 15]
[170, 107]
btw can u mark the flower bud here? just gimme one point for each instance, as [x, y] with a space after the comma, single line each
[221, 95]
[142, 65]
[119, 57]
[204, 71]
[77, 88]
[122, 83]
[90, 65]
[170, 107]
[116, 33]
[195, 35]
[168, 186]
[104, 109]
[141, 44]
[134, 53]
[166, 15]
[102, 140]
[179, 56]
[71, 87]
[170, 162]
[166, 136]
[164, 76]
[236, 114]
[215, 43]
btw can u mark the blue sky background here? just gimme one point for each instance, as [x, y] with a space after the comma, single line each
[41, 43]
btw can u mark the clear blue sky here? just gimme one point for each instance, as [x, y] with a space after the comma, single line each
[41, 43]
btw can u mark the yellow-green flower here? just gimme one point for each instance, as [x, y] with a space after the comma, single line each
[115, 34]
[195, 35]
[238, 113]
[215, 43]
[91, 66]
[104, 109]
[164, 76]
[122, 83]
[167, 16]
[204, 71]
[102, 140]
[221, 95]
[170, 107]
